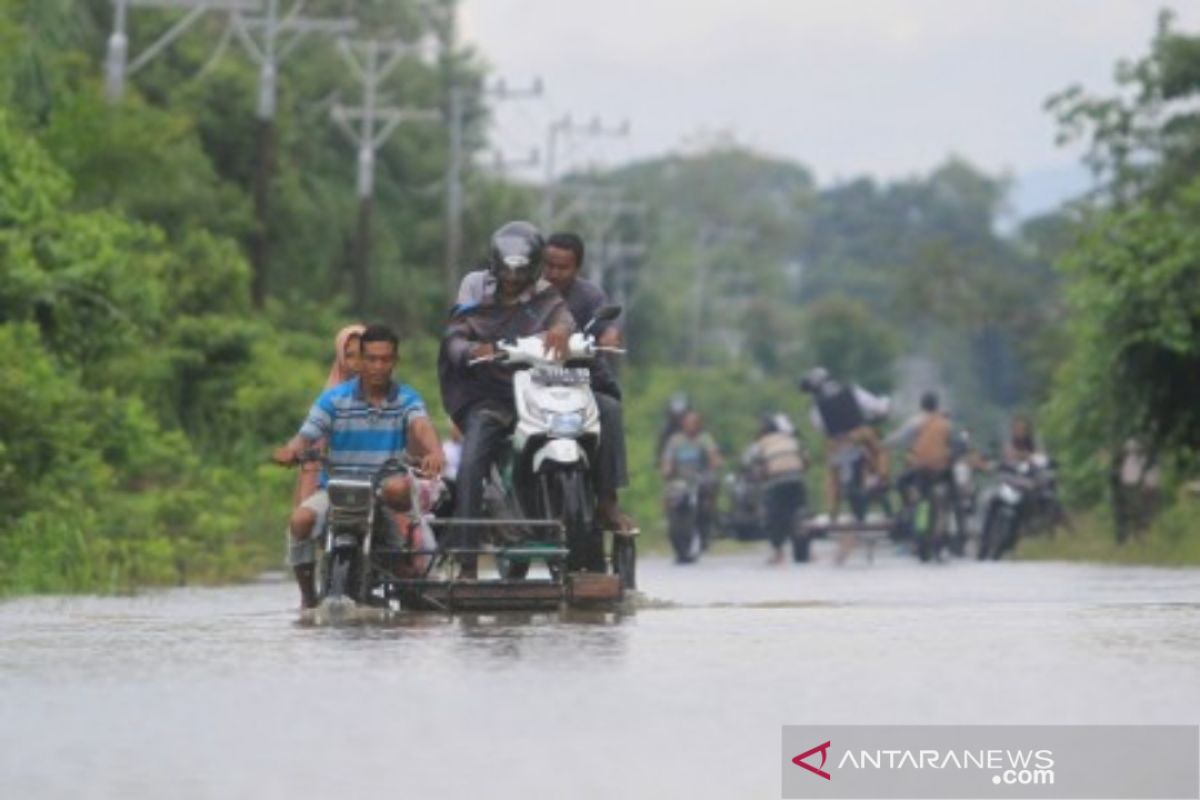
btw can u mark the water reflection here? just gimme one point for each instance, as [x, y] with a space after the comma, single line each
[563, 638]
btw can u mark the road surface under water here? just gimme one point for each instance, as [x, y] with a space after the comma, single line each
[224, 693]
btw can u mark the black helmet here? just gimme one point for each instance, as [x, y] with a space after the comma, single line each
[929, 401]
[517, 250]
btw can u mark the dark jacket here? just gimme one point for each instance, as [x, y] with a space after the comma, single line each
[489, 321]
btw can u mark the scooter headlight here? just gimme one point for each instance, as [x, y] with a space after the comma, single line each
[566, 425]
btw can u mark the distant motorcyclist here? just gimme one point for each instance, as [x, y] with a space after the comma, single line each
[843, 412]
[776, 459]
[928, 439]
[677, 406]
[692, 455]
[480, 399]
[1022, 441]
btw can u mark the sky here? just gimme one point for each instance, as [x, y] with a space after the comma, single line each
[886, 88]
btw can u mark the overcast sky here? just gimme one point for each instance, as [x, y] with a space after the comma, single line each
[882, 87]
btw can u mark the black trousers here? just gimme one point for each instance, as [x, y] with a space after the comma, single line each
[486, 427]
[611, 469]
[782, 500]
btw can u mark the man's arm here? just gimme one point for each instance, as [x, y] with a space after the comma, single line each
[560, 324]
[873, 407]
[906, 433]
[714, 452]
[428, 446]
[316, 426]
[462, 343]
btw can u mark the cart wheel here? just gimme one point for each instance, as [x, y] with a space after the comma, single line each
[512, 569]
[624, 559]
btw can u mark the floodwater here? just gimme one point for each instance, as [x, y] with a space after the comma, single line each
[224, 693]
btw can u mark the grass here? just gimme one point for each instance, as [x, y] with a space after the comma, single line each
[1172, 540]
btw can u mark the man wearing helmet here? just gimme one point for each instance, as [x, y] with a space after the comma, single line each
[479, 399]
[843, 413]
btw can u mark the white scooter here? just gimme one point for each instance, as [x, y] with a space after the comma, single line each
[554, 447]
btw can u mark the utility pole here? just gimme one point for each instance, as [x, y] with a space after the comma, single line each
[371, 61]
[117, 67]
[266, 39]
[710, 237]
[568, 127]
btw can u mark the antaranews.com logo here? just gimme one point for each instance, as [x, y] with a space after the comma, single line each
[979, 761]
[1011, 767]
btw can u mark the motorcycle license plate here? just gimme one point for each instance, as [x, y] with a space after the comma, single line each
[562, 376]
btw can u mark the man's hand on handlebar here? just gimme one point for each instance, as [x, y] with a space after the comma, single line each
[286, 456]
[557, 342]
[482, 350]
[432, 464]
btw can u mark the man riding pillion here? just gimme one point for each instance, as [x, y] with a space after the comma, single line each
[562, 260]
[777, 460]
[366, 422]
[843, 412]
[480, 399]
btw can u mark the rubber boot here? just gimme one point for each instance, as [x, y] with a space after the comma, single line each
[305, 573]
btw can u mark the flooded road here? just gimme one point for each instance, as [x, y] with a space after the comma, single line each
[222, 693]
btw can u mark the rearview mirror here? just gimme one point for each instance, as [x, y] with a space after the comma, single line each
[603, 314]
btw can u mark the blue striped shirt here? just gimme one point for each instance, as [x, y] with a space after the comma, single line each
[359, 434]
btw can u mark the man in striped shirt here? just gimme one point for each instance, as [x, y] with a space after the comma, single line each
[365, 422]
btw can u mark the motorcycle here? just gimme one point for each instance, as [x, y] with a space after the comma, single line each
[360, 552]
[1024, 490]
[745, 517]
[930, 514]
[544, 481]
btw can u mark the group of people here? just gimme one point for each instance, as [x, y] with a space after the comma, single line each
[775, 460]
[530, 285]
[847, 416]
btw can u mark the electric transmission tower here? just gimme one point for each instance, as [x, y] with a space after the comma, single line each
[568, 127]
[269, 38]
[457, 104]
[368, 126]
[118, 68]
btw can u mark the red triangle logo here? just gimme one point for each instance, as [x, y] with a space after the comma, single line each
[800, 762]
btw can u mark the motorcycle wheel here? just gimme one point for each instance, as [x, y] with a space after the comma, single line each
[624, 560]
[998, 534]
[682, 532]
[512, 569]
[585, 542]
[1011, 532]
[340, 579]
